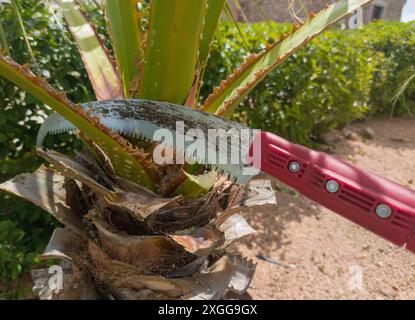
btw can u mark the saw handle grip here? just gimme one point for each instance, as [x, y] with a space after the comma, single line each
[375, 203]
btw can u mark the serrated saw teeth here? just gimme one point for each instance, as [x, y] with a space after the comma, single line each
[143, 119]
[54, 124]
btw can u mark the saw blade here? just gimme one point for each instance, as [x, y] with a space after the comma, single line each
[197, 136]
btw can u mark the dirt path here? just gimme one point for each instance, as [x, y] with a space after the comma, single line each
[324, 253]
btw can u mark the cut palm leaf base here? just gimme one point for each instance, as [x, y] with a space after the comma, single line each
[121, 241]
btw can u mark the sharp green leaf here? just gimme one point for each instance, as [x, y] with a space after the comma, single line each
[128, 163]
[231, 17]
[102, 74]
[16, 7]
[196, 186]
[124, 21]
[236, 87]
[172, 48]
[4, 43]
[210, 26]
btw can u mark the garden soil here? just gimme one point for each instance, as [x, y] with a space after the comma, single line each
[304, 251]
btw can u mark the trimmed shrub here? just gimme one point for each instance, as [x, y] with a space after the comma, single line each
[24, 228]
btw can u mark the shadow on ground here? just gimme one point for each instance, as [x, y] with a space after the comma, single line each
[322, 247]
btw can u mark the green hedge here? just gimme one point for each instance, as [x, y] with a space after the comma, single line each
[24, 228]
[340, 77]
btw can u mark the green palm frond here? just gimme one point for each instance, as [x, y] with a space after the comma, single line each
[256, 67]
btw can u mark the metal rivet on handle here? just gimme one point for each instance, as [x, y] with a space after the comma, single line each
[294, 167]
[384, 211]
[332, 186]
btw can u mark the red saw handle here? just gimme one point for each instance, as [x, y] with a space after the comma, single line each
[377, 204]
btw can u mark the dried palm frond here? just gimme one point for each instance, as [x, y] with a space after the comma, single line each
[123, 241]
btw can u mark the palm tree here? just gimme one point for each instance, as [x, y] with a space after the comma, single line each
[135, 229]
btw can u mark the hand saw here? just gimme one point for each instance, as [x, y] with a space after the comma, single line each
[375, 203]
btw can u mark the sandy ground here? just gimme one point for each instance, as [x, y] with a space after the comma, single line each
[323, 255]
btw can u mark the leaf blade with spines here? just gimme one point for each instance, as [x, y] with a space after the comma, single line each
[128, 162]
[256, 67]
[230, 15]
[210, 26]
[101, 71]
[17, 9]
[124, 22]
[152, 116]
[172, 48]
[4, 42]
